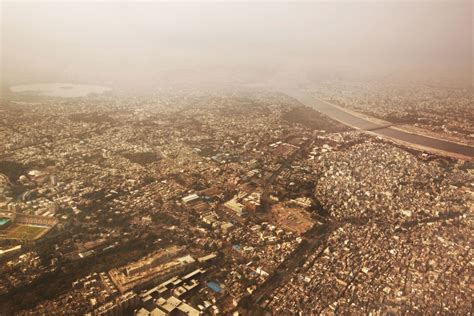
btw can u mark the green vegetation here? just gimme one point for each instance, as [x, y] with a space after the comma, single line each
[27, 232]
[312, 119]
[143, 158]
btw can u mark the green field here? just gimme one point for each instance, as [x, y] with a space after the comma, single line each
[21, 231]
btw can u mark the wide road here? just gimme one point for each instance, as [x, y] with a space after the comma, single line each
[360, 123]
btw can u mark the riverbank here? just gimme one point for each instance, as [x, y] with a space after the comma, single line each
[405, 127]
[384, 129]
[423, 133]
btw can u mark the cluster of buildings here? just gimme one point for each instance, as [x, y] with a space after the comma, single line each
[398, 240]
[21, 269]
[157, 265]
[192, 202]
[439, 110]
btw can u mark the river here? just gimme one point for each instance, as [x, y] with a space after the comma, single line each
[360, 123]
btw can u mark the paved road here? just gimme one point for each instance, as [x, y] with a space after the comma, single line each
[313, 238]
[271, 180]
[360, 123]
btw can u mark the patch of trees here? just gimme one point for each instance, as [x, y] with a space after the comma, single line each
[13, 170]
[164, 218]
[142, 158]
[312, 119]
[91, 118]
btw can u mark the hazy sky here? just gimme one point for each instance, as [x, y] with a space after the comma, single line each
[129, 43]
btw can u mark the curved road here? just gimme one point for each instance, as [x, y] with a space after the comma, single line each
[360, 123]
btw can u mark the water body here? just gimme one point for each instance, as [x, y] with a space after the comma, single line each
[360, 123]
[65, 90]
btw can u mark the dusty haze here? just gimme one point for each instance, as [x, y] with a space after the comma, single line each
[150, 44]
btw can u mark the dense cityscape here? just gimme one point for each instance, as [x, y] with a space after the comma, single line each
[188, 202]
[243, 158]
[435, 109]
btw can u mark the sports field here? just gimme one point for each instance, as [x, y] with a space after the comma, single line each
[22, 231]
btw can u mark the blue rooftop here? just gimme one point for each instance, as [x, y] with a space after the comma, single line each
[214, 286]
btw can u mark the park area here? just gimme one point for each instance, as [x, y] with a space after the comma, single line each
[23, 231]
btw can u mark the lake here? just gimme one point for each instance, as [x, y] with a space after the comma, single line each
[65, 90]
